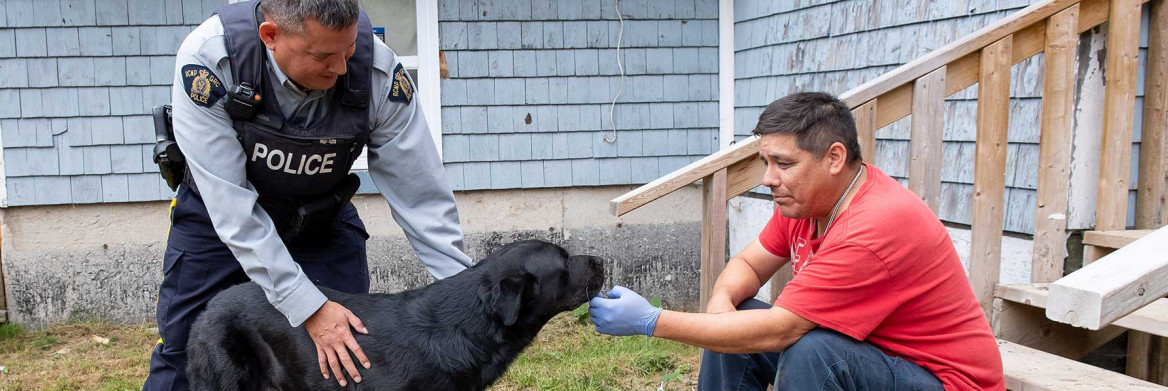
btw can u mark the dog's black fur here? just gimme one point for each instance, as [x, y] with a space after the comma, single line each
[460, 333]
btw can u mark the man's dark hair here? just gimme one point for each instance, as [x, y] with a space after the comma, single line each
[816, 119]
[291, 14]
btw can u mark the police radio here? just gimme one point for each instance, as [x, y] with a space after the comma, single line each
[242, 101]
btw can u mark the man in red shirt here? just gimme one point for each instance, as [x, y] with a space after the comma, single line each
[879, 300]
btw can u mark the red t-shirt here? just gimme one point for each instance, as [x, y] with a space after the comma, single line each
[887, 273]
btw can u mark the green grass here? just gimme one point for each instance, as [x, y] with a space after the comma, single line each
[568, 355]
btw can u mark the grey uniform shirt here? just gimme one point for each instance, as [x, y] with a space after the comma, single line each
[403, 163]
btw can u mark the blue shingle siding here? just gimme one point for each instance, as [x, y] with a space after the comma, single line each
[63, 42]
[533, 83]
[527, 105]
[115, 188]
[77, 82]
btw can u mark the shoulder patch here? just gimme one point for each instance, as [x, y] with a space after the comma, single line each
[402, 90]
[202, 86]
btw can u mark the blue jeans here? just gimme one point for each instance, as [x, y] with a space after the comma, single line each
[822, 359]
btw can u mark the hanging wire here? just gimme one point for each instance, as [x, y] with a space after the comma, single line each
[620, 65]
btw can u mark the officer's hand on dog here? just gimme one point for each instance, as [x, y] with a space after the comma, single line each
[623, 313]
[329, 329]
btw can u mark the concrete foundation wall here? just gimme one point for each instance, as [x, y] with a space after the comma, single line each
[105, 261]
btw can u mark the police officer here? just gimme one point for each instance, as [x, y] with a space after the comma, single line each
[272, 103]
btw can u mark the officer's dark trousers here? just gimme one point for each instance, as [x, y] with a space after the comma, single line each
[821, 360]
[197, 265]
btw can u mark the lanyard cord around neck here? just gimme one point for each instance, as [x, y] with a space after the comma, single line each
[835, 210]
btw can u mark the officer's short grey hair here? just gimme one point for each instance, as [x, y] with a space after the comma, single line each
[291, 14]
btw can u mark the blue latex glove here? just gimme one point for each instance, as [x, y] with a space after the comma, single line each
[623, 313]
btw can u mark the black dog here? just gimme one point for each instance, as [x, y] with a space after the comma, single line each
[460, 333]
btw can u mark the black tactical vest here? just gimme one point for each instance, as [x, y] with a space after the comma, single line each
[294, 166]
[288, 160]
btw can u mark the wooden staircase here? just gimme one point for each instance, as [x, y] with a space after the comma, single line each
[1030, 320]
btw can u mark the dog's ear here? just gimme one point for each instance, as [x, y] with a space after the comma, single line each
[505, 298]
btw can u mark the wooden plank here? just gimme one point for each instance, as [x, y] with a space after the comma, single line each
[1028, 369]
[1029, 294]
[743, 176]
[1054, 156]
[894, 105]
[1114, 239]
[1159, 362]
[865, 117]
[1028, 325]
[1152, 197]
[684, 176]
[989, 182]
[962, 73]
[928, 125]
[1114, 286]
[1093, 253]
[1152, 318]
[713, 232]
[1093, 13]
[1031, 39]
[1118, 110]
[1138, 354]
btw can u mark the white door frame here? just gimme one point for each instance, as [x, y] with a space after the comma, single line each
[725, 72]
[428, 68]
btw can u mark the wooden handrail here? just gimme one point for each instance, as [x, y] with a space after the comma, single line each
[684, 176]
[893, 89]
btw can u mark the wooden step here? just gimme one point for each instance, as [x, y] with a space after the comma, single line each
[1097, 244]
[1113, 239]
[1151, 319]
[1029, 369]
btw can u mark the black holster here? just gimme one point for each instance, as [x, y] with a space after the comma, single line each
[296, 217]
[171, 163]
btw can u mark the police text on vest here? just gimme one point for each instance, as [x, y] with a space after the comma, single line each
[292, 163]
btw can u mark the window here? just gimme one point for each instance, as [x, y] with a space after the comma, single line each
[410, 28]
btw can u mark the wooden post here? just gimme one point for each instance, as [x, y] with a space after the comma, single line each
[780, 280]
[713, 232]
[865, 116]
[1138, 354]
[1054, 156]
[1152, 196]
[1118, 110]
[3, 287]
[989, 183]
[1115, 160]
[928, 126]
[1152, 193]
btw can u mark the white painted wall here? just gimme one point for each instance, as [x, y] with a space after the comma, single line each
[1087, 129]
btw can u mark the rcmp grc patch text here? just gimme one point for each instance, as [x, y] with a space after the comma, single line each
[402, 90]
[202, 86]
